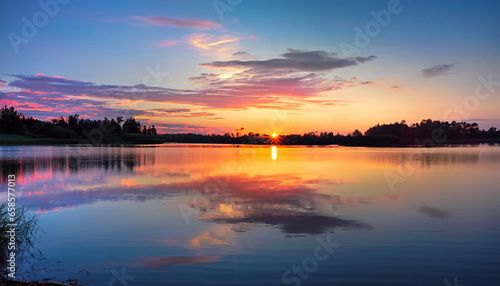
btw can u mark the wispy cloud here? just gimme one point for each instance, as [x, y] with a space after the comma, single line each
[170, 43]
[296, 60]
[242, 55]
[171, 22]
[177, 112]
[438, 70]
[210, 45]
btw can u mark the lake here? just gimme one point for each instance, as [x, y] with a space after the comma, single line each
[187, 214]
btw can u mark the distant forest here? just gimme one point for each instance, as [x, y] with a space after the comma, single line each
[76, 129]
[108, 131]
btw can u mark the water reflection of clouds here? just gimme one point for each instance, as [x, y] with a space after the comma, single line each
[297, 222]
[288, 202]
[282, 200]
[433, 212]
[47, 162]
[58, 180]
[206, 239]
[56, 184]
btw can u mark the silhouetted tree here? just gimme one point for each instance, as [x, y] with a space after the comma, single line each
[357, 133]
[132, 126]
[10, 120]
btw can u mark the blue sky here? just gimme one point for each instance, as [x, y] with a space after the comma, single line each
[102, 49]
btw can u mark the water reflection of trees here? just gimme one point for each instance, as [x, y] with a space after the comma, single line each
[426, 157]
[70, 163]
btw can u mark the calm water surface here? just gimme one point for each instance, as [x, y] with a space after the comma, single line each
[221, 215]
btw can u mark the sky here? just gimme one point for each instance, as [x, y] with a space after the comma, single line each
[253, 66]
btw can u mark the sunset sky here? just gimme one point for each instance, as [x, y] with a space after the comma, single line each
[265, 66]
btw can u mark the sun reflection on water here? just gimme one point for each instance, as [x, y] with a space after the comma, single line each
[274, 153]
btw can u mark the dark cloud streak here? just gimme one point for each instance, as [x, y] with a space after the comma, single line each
[438, 70]
[188, 23]
[296, 60]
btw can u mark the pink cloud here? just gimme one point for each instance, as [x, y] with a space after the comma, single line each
[178, 113]
[53, 76]
[37, 92]
[170, 43]
[190, 23]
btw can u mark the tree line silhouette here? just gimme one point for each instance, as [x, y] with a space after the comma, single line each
[72, 127]
[425, 133]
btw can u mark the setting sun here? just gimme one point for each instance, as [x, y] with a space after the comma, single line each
[274, 135]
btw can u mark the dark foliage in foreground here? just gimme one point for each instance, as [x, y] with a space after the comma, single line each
[27, 235]
[26, 228]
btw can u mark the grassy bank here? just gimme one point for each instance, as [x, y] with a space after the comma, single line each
[13, 139]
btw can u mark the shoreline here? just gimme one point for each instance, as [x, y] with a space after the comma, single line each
[79, 143]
